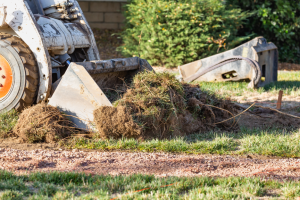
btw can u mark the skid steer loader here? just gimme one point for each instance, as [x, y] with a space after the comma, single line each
[42, 40]
[48, 53]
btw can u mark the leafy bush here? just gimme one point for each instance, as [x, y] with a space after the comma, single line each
[276, 20]
[171, 33]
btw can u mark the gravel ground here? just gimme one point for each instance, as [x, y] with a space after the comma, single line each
[159, 164]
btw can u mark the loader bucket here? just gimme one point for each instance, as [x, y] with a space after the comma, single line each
[80, 90]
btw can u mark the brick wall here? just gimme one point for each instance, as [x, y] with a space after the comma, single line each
[103, 15]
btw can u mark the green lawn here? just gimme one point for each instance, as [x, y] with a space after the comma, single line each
[56, 185]
[289, 82]
[7, 122]
[270, 142]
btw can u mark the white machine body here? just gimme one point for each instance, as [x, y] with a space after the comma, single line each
[50, 28]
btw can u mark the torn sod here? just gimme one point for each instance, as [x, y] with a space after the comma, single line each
[157, 105]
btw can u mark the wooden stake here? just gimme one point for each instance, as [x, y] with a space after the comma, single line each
[279, 100]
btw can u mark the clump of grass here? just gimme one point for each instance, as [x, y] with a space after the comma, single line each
[7, 122]
[43, 123]
[149, 99]
[162, 107]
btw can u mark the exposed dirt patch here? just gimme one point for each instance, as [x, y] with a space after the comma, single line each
[266, 121]
[42, 123]
[157, 105]
[17, 143]
[159, 164]
[289, 102]
[288, 66]
[264, 118]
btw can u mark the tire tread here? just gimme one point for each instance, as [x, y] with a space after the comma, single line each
[31, 70]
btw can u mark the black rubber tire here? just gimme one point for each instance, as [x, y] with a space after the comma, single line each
[25, 73]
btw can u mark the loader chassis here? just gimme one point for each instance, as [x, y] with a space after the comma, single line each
[47, 38]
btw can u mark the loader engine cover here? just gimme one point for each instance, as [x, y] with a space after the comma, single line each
[62, 38]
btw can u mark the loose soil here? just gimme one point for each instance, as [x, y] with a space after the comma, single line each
[42, 123]
[264, 119]
[289, 102]
[159, 164]
[116, 123]
[288, 66]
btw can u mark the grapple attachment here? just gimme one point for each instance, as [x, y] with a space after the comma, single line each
[80, 90]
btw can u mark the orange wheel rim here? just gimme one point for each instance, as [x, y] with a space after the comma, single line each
[6, 77]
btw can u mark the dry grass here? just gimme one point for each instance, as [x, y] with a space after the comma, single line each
[42, 123]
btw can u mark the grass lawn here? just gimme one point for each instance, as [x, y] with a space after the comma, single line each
[56, 185]
[289, 82]
[261, 142]
[7, 122]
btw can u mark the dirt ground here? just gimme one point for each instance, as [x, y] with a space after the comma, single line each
[159, 164]
[288, 66]
[269, 100]
[264, 118]
[20, 157]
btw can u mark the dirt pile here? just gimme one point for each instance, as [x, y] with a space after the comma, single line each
[42, 123]
[157, 105]
[116, 121]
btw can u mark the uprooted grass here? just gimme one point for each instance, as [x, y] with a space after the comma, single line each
[7, 122]
[42, 123]
[62, 185]
[162, 107]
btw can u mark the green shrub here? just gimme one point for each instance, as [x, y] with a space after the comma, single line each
[276, 20]
[171, 33]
